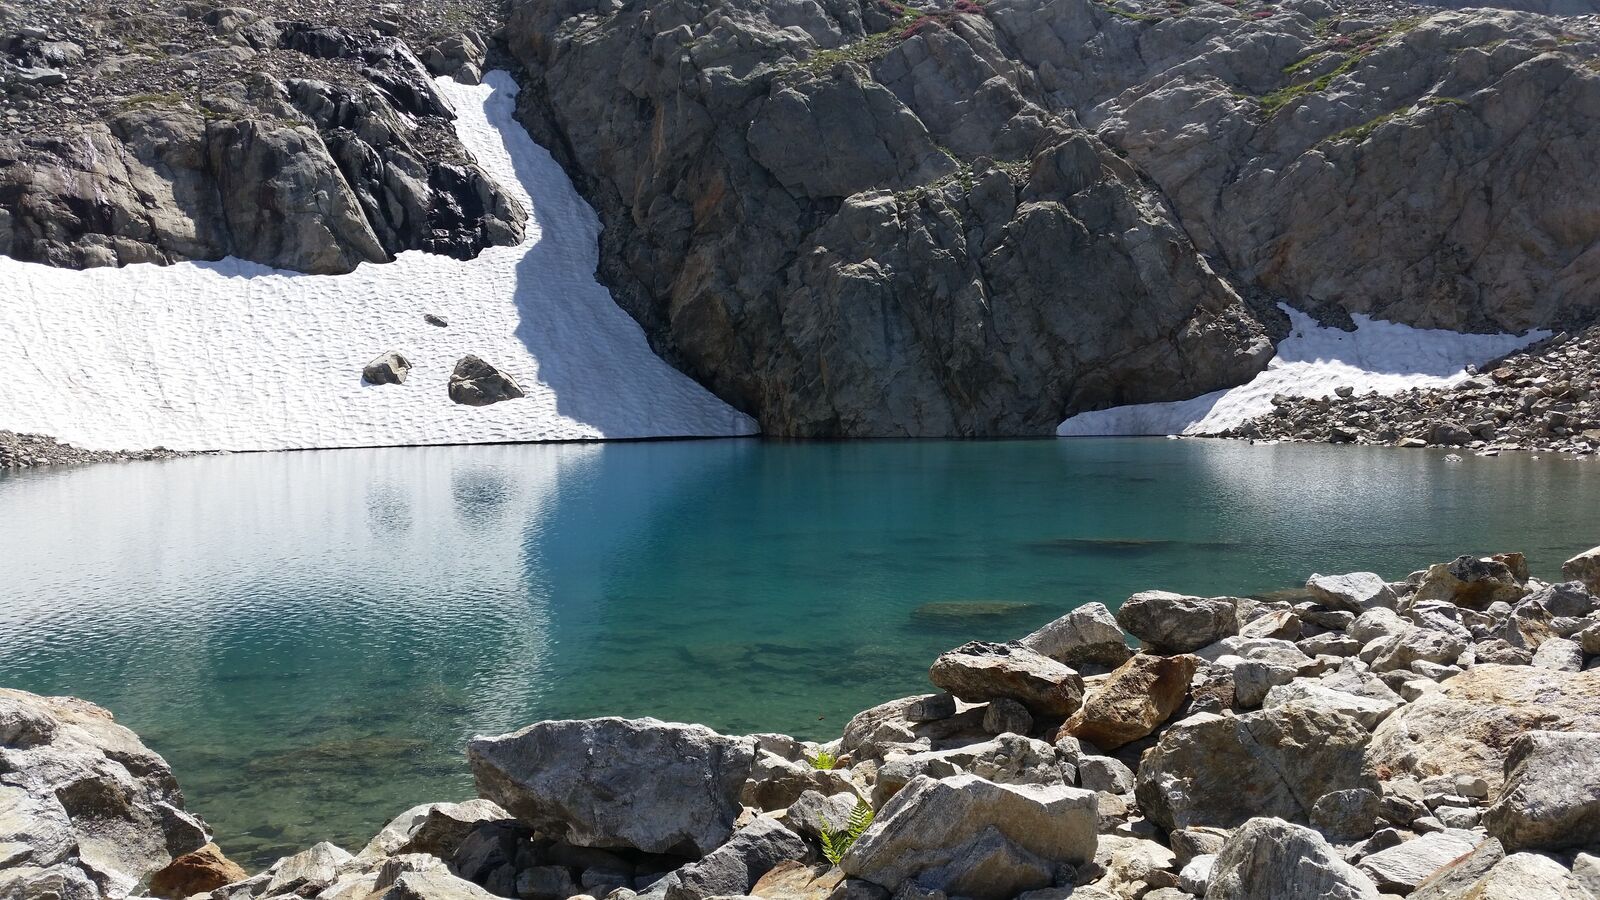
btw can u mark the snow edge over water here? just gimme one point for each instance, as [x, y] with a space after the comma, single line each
[1312, 361]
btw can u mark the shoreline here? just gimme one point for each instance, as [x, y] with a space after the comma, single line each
[1361, 740]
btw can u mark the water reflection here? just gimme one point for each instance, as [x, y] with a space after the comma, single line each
[311, 637]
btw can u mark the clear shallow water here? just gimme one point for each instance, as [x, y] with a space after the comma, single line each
[310, 638]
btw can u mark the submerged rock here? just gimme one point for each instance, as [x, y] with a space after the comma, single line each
[640, 783]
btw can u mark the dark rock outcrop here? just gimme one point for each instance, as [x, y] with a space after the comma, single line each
[845, 233]
[261, 161]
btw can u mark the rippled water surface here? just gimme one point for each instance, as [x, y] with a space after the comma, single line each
[310, 638]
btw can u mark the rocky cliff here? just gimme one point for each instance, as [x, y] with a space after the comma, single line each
[861, 218]
[198, 131]
[856, 217]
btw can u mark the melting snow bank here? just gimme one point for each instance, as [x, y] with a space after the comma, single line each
[1378, 356]
[233, 355]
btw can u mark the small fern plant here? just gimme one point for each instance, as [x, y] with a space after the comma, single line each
[836, 843]
[824, 760]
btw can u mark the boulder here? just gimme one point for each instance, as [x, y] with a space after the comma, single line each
[1470, 582]
[610, 782]
[390, 368]
[1378, 623]
[1403, 650]
[1559, 655]
[310, 870]
[1356, 592]
[775, 782]
[435, 884]
[1349, 815]
[433, 828]
[1401, 868]
[1455, 880]
[1087, 636]
[1175, 623]
[969, 836]
[871, 731]
[811, 813]
[1133, 701]
[981, 671]
[1551, 796]
[1006, 716]
[1005, 759]
[477, 383]
[791, 880]
[1585, 567]
[199, 872]
[1104, 774]
[1467, 727]
[1221, 771]
[84, 798]
[1368, 711]
[1520, 876]
[734, 868]
[1269, 859]
[1568, 598]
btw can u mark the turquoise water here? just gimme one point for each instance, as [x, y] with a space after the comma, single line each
[310, 638]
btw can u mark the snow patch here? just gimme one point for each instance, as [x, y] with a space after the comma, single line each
[1386, 357]
[232, 355]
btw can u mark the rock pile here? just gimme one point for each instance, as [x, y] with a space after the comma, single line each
[1545, 398]
[1436, 737]
[25, 451]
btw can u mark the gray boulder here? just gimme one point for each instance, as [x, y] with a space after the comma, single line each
[734, 868]
[1585, 568]
[1221, 771]
[390, 368]
[639, 783]
[982, 670]
[1356, 592]
[433, 828]
[1551, 796]
[1467, 727]
[1401, 868]
[1269, 859]
[1175, 623]
[968, 836]
[477, 383]
[1087, 636]
[84, 802]
[310, 870]
[1470, 582]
